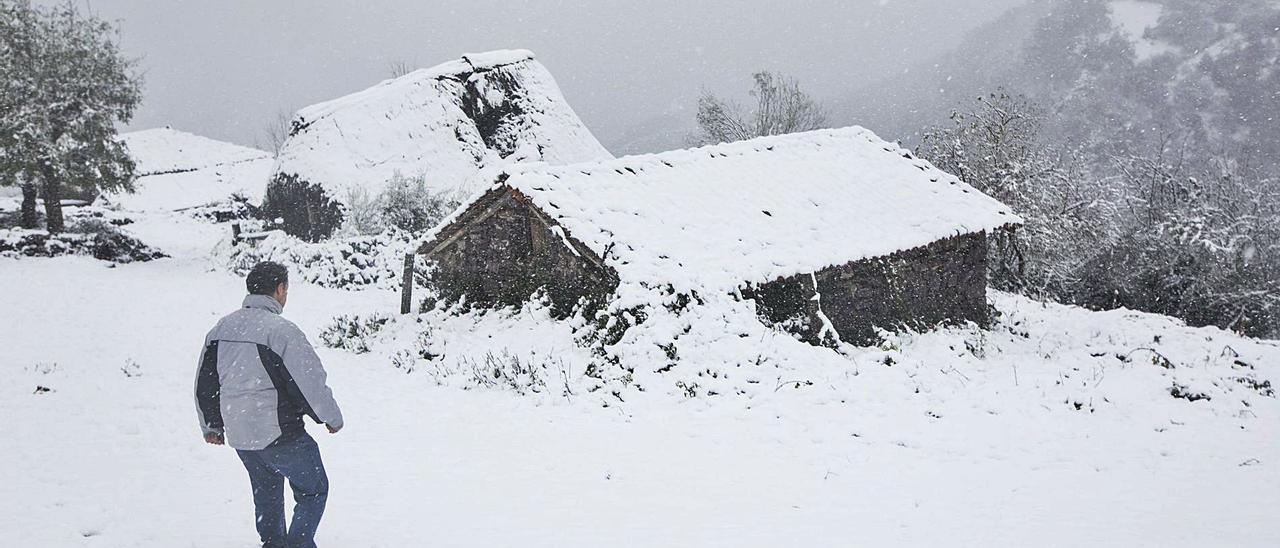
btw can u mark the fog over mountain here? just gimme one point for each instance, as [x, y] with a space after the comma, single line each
[632, 71]
[1123, 73]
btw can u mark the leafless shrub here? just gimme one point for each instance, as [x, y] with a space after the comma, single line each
[398, 68]
[275, 131]
[781, 107]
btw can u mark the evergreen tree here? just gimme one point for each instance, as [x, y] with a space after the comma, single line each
[64, 85]
[18, 28]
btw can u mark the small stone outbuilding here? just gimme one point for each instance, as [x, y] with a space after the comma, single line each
[831, 232]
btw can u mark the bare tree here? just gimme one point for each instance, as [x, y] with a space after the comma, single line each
[1197, 240]
[995, 145]
[275, 131]
[781, 107]
[399, 67]
[1175, 230]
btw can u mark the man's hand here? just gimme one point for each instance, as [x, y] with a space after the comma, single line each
[214, 438]
[332, 430]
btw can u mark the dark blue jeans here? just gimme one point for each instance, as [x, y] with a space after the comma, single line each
[296, 460]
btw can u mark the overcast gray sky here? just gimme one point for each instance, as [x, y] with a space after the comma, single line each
[221, 68]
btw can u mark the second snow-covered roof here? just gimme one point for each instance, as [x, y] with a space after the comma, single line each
[754, 211]
[457, 124]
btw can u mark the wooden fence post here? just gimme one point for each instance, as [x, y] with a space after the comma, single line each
[406, 285]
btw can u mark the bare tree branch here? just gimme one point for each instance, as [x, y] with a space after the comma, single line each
[275, 131]
[781, 107]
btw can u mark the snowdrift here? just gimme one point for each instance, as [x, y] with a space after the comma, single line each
[456, 124]
[178, 170]
[1119, 364]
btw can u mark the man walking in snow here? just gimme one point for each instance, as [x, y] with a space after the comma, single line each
[258, 376]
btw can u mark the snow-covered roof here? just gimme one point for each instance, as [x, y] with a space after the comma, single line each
[458, 123]
[178, 170]
[754, 211]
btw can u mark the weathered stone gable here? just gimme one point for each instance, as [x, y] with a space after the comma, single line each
[507, 252]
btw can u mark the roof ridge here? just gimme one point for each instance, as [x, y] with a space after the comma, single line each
[453, 69]
[681, 156]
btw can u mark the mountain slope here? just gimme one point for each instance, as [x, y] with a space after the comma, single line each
[180, 170]
[1117, 76]
[922, 95]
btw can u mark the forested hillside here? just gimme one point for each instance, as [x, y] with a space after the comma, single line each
[1139, 138]
[1113, 75]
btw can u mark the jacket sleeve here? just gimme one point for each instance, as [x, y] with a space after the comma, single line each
[209, 388]
[308, 374]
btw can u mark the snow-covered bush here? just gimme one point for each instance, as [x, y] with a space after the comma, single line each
[86, 219]
[102, 242]
[1176, 231]
[363, 214]
[509, 372]
[407, 204]
[346, 263]
[353, 332]
[92, 231]
[370, 247]
[525, 351]
[78, 219]
[1202, 248]
[235, 208]
[997, 148]
[410, 205]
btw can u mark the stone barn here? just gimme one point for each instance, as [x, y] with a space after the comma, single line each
[826, 230]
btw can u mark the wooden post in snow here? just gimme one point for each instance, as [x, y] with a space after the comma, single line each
[406, 285]
[235, 233]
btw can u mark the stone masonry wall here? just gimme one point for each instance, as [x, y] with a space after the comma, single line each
[942, 283]
[505, 258]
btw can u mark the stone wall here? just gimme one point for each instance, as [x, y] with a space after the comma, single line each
[942, 283]
[505, 256]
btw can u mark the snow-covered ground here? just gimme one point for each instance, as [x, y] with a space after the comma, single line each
[179, 170]
[1057, 427]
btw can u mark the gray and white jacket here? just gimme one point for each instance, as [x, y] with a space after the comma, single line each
[258, 376]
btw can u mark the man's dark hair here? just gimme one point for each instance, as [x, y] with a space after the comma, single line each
[265, 277]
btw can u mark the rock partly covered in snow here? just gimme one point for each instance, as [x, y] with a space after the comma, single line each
[449, 123]
[179, 170]
[712, 218]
